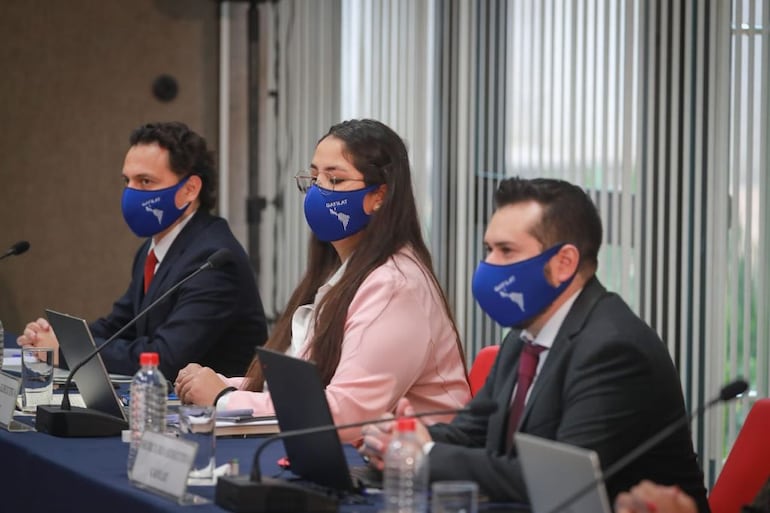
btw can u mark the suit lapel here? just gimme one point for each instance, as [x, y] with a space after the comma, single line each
[573, 323]
[498, 422]
[162, 281]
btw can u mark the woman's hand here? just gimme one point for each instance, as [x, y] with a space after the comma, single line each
[197, 385]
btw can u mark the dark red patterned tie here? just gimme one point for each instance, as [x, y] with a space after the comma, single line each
[530, 355]
[149, 269]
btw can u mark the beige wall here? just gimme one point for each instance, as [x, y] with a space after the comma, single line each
[75, 78]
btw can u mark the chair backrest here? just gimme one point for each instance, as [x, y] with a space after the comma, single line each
[481, 366]
[747, 466]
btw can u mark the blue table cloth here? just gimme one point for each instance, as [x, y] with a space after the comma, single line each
[39, 472]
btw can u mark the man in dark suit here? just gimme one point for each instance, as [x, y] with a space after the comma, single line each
[216, 317]
[578, 365]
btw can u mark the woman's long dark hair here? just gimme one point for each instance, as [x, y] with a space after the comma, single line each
[381, 156]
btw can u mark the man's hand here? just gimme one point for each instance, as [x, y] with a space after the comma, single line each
[648, 497]
[377, 436]
[40, 334]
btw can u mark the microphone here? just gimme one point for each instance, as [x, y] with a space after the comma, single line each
[66, 421]
[728, 392]
[217, 259]
[255, 494]
[17, 249]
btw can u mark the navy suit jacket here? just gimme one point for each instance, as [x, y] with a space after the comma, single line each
[607, 384]
[215, 319]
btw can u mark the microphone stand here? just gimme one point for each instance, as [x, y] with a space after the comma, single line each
[256, 494]
[256, 474]
[68, 421]
[728, 392]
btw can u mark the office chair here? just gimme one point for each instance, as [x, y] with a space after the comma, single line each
[747, 466]
[481, 366]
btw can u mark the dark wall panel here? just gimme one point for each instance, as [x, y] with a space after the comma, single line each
[75, 78]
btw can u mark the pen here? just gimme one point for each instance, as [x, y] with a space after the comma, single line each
[247, 419]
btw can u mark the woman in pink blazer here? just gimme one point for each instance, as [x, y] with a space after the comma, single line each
[369, 310]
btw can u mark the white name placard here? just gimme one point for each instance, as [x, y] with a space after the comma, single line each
[163, 463]
[9, 390]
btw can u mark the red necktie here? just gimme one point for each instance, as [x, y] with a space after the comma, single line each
[149, 269]
[530, 355]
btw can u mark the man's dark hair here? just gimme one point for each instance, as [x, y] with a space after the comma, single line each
[187, 155]
[569, 215]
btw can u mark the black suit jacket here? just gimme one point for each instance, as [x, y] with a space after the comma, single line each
[215, 319]
[607, 384]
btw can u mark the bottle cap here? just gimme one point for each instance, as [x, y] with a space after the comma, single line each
[406, 424]
[149, 359]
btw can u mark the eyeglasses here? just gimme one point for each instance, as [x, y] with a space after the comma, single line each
[329, 183]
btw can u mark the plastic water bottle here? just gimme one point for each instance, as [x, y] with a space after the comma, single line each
[406, 471]
[147, 403]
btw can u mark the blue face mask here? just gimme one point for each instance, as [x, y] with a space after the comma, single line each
[150, 212]
[335, 215]
[513, 294]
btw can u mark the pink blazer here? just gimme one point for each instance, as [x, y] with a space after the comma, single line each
[398, 343]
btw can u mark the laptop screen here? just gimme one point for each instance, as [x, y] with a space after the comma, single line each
[92, 379]
[300, 402]
[545, 462]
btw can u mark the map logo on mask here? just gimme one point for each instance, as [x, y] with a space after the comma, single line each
[341, 217]
[156, 212]
[516, 298]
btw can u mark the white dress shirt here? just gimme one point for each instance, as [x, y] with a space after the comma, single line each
[162, 246]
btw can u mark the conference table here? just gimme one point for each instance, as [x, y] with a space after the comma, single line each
[42, 473]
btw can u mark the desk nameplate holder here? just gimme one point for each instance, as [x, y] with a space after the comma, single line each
[9, 391]
[162, 465]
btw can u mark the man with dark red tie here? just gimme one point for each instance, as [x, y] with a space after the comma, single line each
[578, 365]
[216, 318]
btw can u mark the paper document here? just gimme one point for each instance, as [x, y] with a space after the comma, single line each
[237, 423]
[12, 363]
[75, 400]
[252, 426]
[12, 359]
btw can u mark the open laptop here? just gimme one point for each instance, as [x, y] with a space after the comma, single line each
[93, 382]
[545, 462]
[300, 402]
